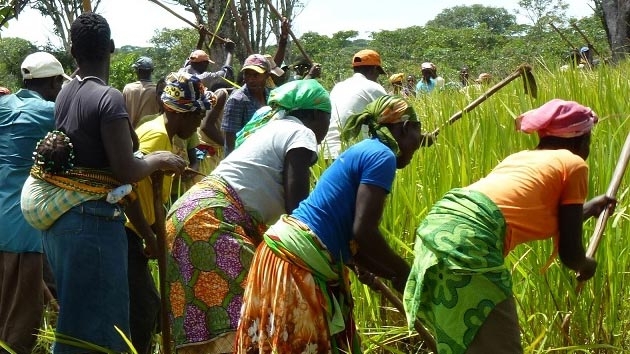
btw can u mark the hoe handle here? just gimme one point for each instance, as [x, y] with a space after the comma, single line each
[523, 70]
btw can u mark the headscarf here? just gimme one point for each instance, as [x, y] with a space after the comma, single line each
[294, 95]
[384, 110]
[396, 78]
[564, 119]
[185, 93]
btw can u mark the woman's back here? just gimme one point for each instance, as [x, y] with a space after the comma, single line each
[528, 187]
[255, 169]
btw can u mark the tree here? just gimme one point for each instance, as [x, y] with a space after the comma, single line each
[538, 11]
[10, 9]
[243, 21]
[12, 54]
[615, 17]
[497, 19]
[62, 13]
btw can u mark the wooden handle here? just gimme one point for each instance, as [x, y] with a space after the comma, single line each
[157, 179]
[188, 22]
[522, 70]
[613, 187]
[295, 40]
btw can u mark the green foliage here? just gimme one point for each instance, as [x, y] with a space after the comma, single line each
[467, 151]
[121, 72]
[496, 19]
[12, 53]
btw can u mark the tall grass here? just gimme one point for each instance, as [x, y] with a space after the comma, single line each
[469, 149]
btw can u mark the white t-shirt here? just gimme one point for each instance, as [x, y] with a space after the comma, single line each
[255, 169]
[347, 98]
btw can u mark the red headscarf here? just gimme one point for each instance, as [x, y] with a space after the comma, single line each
[564, 119]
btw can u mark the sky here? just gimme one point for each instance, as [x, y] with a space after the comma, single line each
[134, 22]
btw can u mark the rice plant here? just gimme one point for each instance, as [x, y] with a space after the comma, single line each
[469, 149]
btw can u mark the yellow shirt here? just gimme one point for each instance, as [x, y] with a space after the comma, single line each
[153, 137]
[528, 187]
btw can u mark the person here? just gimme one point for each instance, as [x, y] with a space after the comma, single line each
[277, 74]
[184, 101]
[198, 62]
[350, 96]
[159, 90]
[4, 91]
[464, 77]
[25, 118]
[430, 79]
[213, 228]
[396, 81]
[140, 95]
[459, 285]
[303, 256]
[483, 80]
[77, 190]
[410, 86]
[242, 103]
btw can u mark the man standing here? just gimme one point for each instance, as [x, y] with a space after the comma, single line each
[25, 117]
[140, 95]
[198, 62]
[351, 96]
[242, 103]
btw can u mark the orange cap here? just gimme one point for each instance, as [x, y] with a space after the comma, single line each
[367, 57]
[198, 56]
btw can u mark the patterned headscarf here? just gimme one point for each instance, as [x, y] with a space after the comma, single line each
[384, 110]
[294, 95]
[564, 119]
[185, 93]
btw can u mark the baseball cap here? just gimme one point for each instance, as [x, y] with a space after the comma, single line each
[367, 57]
[274, 68]
[40, 65]
[427, 65]
[198, 56]
[143, 63]
[258, 63]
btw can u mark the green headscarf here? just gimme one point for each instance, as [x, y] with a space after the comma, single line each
[384, 110]
[294, 95]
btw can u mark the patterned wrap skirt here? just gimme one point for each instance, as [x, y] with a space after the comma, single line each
[458, 275]
[296, 299]
[211, 241]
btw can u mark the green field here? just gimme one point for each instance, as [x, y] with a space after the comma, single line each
[470, 148]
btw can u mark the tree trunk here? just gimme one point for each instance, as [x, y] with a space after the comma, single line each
[617, 20]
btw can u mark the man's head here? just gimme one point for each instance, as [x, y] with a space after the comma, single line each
[91, 38]
[143, 67]
[199, 60]
[43, 73]
[255, 71]
[484, 78]
[368, 63]
[429, 70]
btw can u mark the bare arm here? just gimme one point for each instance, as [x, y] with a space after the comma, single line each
[282, 42]
[230, 139]
[374, 254]
[136, 217]
[296, 177]
[125, 167]
[210, 123]
[570, 248]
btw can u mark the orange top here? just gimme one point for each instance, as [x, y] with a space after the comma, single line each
[528, 187]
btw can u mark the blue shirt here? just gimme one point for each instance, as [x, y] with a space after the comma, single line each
[25, 118]
[329, 210]
[422, 86]
[239, 109]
